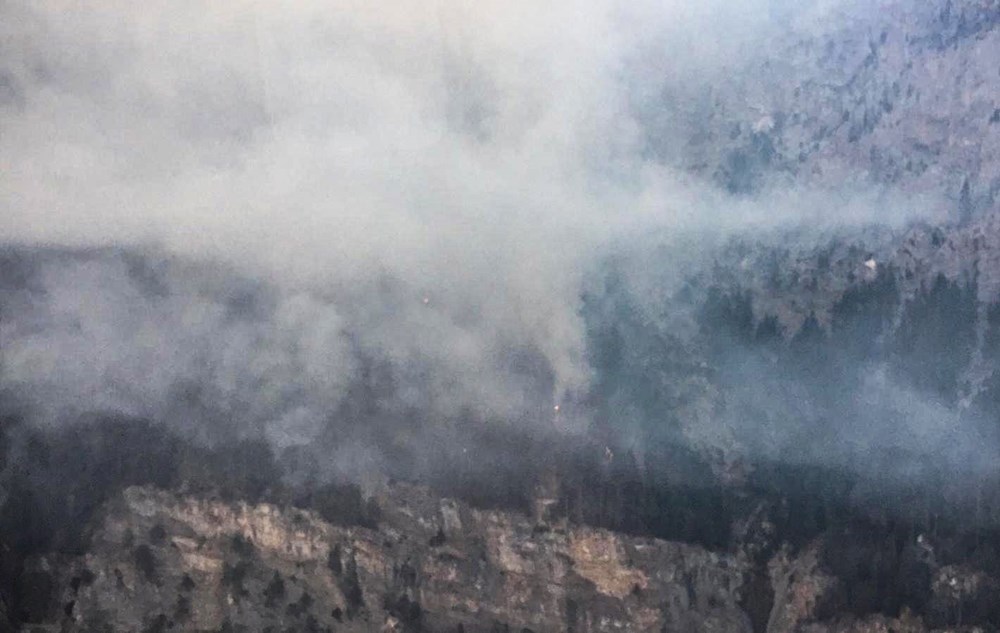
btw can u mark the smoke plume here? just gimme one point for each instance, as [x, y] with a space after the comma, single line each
[238, 217]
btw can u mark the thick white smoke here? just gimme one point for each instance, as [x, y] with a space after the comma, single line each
[426, 182]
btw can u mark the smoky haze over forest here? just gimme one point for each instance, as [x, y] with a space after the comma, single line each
[362, 231]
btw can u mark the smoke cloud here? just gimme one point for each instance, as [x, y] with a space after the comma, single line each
[319, 190]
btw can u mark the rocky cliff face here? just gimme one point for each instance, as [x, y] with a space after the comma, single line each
[161, 561]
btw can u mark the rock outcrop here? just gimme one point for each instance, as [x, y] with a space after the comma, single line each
[161, 561]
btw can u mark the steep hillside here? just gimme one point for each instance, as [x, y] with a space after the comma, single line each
[773, 426]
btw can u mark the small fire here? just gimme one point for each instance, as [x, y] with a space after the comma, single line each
[556, 408]
[427, 300]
